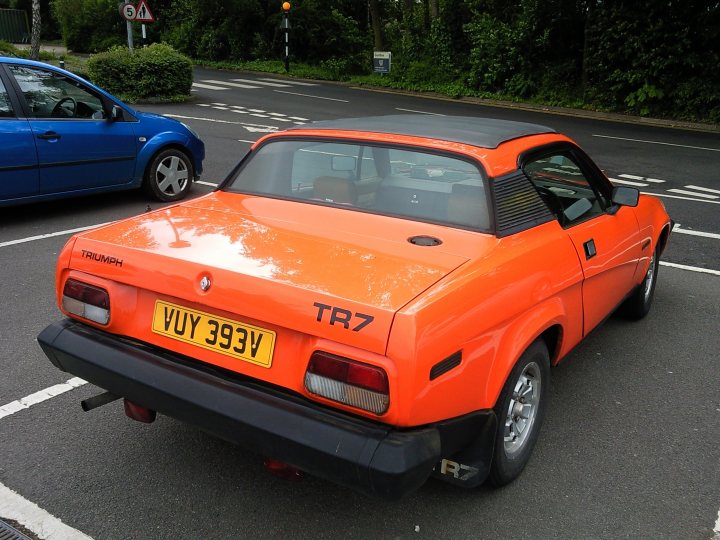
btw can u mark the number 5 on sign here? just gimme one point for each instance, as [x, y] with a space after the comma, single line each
[128, 11]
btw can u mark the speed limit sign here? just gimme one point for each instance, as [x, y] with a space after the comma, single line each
[128, 11]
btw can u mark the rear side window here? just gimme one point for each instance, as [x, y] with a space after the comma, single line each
[6, 110]
[409, 183]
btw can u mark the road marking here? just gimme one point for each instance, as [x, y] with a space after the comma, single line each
[310, 96]
[678, 197]
[686, 192]
[658, 142]
[678, 229]
[704, 189]
[209, 87]
[248, 81]
[643, 178]
[28, 514]
[249, 127]
[38, 397]
[249, 142]
[691, 268]
[421, 112]
[50, 235]
[627, 182]
[288, 82]
[232, 84]
[204, 183]
[716, 530]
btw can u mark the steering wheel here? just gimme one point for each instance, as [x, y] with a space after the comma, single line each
[66, 112]
[552, 200]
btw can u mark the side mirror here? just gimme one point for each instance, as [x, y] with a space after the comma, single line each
[116, 113]
[625, 196]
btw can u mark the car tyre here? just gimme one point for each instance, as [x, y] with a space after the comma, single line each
[169, 176]
[520, 410]
[639, 302]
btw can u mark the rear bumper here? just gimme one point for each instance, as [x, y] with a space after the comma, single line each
[370, 457]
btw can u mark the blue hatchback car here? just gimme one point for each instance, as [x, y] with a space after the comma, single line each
[61, 136]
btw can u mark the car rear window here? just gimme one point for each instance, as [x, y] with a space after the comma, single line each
[399, 181]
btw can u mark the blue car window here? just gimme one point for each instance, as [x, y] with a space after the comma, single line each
[6, 109]
[50, 95]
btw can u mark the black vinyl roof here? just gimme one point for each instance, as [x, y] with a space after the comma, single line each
[482, 132]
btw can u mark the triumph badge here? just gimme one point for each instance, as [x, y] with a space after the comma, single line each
[205, 283]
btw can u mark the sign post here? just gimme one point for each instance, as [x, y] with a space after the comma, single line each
[128, 11]
[286, 28]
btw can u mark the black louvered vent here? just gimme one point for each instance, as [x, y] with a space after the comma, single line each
[446, 365]
[518, 205]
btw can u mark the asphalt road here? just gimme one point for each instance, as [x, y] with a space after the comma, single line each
[629, 447]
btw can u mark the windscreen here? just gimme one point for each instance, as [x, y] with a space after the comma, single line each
[399, 181]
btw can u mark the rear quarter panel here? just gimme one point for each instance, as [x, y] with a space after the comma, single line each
[491, 309]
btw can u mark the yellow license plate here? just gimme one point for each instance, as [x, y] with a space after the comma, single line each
[239, 340]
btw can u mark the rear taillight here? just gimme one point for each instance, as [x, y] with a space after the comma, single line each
[349, 382]
[86, 301]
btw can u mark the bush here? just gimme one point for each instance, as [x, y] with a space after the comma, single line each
[157, 71]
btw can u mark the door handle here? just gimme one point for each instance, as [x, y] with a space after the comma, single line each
[590, 250]
[49, 135]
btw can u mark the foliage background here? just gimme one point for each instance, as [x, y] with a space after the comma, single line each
[647, 57]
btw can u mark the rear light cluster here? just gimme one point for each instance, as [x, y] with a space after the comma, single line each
[349, 382]
[86, 301]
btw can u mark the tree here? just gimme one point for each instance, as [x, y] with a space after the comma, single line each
[35, 32]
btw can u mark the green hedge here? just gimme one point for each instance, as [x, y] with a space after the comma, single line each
[154, 72]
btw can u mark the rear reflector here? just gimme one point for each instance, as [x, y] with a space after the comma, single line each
[86, 301]
[349, 382]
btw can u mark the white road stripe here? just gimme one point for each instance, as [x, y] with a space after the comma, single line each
[678, 197]
[232, 84]
[28, 514]
[704, 189]
[217, 121]
[204, 183]
[628, 182]
[694, 194]
[421, 112]
[310, 96]
[249, 142]
[691, 268]
[50, 235]
[658, 142]
[678, 229]
[298, 118]
[209, 87]
[277, 85]
[716, 530]
[259, 115]
[642, 178]
[39, 397]
[299, 83]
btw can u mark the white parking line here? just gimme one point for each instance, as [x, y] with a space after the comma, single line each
[716, 530]
[643, 178]
[261, 83]
[678, 229]
[287, 81]
[38, 397]
[50, 235]
[32, 517]
[701, 195]
[691, 268]
[678, 197]
[700, 188]
[628, 182]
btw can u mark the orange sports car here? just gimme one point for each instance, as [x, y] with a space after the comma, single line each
[373, 300]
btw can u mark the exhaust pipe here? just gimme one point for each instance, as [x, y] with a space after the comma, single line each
[98, 401]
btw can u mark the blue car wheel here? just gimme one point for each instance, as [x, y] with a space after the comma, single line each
[169, 176]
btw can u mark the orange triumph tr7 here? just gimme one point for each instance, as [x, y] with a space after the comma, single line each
[372, 300]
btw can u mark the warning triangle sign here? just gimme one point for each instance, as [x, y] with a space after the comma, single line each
[143, 13]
